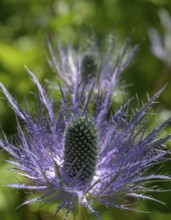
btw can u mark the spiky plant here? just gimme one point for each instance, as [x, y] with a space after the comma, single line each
[77, 154]
[93, 65]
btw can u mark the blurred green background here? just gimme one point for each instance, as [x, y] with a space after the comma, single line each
[24, 28]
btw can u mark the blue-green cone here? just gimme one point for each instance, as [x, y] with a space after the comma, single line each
[89, 67]
[80, 150]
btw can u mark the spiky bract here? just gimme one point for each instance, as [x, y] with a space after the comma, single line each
[92, 65]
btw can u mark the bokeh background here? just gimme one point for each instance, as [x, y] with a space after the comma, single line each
[24, 29]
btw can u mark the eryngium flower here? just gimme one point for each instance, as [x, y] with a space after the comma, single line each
[79, 154]
[160, 43]
[93, 65]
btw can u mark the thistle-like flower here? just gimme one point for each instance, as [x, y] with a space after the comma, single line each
[78, 153]
[93, 65]
[160, 44]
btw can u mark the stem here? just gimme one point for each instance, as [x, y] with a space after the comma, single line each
[81, 213]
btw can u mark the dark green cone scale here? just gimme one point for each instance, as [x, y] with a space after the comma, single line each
[89, 67]
[80, 149]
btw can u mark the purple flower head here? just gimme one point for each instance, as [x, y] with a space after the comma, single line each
[79, 153]
[93, 65]
[160, 43]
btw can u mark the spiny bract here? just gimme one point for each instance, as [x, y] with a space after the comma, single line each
[93, 65]
[78, 154]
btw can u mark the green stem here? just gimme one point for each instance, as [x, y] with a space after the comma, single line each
[81, 213]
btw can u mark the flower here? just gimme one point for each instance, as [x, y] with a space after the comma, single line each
[160, 45]
[78, 153]
[93, 65]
